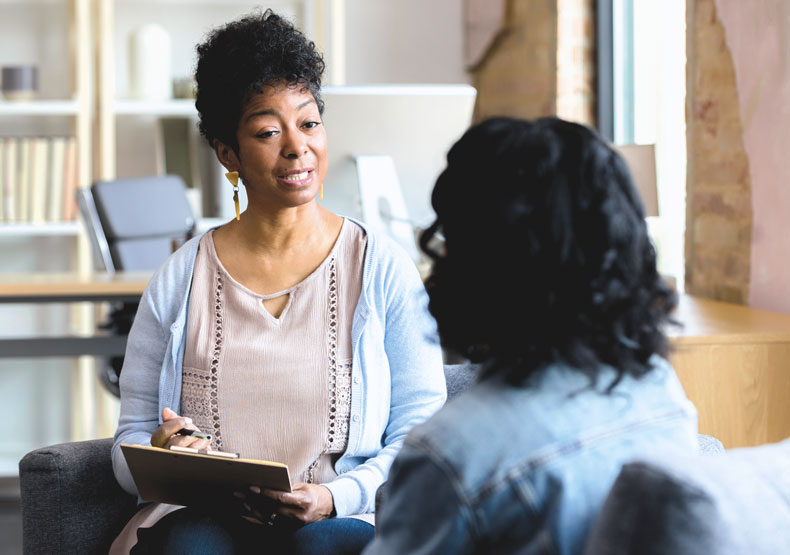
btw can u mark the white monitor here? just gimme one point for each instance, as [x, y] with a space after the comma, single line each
[415, 125]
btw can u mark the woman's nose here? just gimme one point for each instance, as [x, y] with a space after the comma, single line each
[294, 145]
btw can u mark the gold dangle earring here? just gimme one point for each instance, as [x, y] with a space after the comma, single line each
[233, 177]
[321, 194]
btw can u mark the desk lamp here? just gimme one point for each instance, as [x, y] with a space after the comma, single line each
[641, 160]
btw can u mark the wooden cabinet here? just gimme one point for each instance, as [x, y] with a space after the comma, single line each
[734, 363]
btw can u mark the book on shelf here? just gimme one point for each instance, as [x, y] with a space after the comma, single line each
[56, 182]
[38, 179]
[39, 162]
[9, 178]
[69, 209]
[23, 180]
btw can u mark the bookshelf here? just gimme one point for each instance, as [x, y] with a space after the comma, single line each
[64, 107]
[54, 35]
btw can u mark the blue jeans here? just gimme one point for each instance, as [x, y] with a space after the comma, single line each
[195, 532]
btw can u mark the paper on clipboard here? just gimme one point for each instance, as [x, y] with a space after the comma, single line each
[192, 479]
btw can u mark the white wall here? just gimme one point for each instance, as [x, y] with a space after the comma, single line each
[405, 41]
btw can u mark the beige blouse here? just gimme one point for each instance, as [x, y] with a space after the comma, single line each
[269, 388]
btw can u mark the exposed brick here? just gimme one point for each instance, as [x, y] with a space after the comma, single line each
[716, 231]
[719, 210]
[532, 70]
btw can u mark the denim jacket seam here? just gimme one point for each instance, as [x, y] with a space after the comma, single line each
[447, 468]
[570, 446]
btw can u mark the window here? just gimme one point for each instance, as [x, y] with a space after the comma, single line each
[644, 41]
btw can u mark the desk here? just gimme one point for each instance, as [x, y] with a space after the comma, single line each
[734, 363]
[69, 288]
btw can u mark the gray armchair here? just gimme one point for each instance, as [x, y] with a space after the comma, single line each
[71, 502]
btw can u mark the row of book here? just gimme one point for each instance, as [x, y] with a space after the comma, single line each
[38, 179]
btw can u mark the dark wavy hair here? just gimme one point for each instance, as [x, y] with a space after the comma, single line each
[546, 256]
[240, 58]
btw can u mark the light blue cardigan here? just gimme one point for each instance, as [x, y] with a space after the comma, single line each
[397, 375]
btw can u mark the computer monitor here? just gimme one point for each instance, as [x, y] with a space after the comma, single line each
[414, 125]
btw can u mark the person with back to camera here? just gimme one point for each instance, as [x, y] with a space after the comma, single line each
[289, 334]
[547, 277]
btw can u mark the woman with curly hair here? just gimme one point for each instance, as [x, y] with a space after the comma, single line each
[548, 279]
[288, 334]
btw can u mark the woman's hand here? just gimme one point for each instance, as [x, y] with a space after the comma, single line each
[164, 436]
[306, 503]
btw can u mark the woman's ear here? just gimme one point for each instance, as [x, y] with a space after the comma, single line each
[226, 156]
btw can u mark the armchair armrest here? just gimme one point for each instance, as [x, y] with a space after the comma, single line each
[71, 502]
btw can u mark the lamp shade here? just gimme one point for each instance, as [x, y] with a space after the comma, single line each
[641, 160]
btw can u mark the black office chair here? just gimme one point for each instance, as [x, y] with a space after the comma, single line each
[134, 225]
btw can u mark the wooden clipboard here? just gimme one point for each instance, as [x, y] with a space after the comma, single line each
[192, 479]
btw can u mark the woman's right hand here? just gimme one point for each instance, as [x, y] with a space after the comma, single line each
[165, 435]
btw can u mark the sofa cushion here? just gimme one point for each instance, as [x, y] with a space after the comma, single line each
[732, 503]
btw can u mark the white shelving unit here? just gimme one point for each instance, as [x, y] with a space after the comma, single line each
[40, 230]
[45, 396]
[44, 108]
[182, 107]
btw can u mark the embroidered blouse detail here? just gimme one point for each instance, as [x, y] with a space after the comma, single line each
[215, 357]
[275, 388]
[200, 386]
[337, 439]
[339, 405]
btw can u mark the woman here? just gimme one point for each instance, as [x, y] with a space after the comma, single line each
[288, 334]
[548, 278]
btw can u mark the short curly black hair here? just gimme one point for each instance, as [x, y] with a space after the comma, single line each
[240, 58]
[546, 256]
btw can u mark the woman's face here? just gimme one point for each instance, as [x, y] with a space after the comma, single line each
[282, 147]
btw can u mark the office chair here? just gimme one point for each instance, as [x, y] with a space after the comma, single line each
[134, 225]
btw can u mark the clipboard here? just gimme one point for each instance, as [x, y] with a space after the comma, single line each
[192, 479]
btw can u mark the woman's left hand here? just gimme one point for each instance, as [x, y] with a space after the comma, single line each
[306, 502]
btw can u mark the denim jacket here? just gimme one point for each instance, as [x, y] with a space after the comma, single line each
[397, 376]
[503, 469]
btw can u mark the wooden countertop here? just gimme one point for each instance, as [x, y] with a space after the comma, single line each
[706, 321]
[48, 285]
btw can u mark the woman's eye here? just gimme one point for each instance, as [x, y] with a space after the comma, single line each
[266, 134]
[311, 124]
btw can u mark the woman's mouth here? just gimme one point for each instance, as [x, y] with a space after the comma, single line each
[296, 179]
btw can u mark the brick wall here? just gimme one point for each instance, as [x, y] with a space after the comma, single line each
[541, 63]
[517, 76]
[718, 202]
[576, 99]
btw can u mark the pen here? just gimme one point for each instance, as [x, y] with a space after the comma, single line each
[194, 433]
[204, 452]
